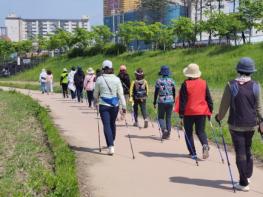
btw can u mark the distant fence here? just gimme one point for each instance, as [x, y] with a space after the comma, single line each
[11, 67]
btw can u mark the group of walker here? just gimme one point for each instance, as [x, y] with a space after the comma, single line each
[194, 105]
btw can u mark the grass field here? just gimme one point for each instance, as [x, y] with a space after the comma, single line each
[217, 65]
[34, 160]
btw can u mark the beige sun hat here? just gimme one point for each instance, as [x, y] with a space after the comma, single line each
[192, 71]
[90, 71]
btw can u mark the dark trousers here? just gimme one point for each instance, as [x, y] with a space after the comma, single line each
[73, 94]
[64, 89]
[90, 97]
[142, 105]
[199, 123]
[164, 116]
[108, 116]
[242, 143]
[79, 90]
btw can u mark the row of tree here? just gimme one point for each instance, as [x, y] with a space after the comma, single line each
[216, 24]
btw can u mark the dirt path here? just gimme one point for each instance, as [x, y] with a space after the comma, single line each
[160, 169]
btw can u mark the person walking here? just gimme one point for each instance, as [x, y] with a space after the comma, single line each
[242, 97]
[71, 85]
[49, 82]
[89, 84]
[79, 83]
[164, 95]
[64, 82]
[109, 95]
[195, 104]
[126, 83]
[138, 95]
[43, 81]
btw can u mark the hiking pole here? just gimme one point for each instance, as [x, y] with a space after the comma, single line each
[159, 128]
[129, 138]
[189, 143]
[98, 128]
[216, 140]
[176, 128]
[227, 158]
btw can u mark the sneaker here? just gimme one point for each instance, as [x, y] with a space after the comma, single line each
[111, 150]
[205, 151]
[165, 134]
[241, 188]
[135, 124]
[145, 124]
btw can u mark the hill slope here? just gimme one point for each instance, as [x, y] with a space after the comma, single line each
[217, 63]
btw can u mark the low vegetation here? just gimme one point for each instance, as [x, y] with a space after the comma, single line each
[34, 160]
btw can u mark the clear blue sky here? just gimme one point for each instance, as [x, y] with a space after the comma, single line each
[53, 9]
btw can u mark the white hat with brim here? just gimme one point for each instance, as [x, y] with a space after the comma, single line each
[90, 71]
[65, 70]
[192, 71]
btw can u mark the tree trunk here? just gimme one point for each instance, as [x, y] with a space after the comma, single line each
[250, 35]
[243, 37]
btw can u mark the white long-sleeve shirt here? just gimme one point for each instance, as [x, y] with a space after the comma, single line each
[102, 90]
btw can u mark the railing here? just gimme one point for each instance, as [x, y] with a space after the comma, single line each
[8, 68]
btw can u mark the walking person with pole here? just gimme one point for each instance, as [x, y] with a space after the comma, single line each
[242, 96]
[194, 105]
[164, 95]
[109, 95]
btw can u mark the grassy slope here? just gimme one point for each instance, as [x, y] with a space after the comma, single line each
[26, 160]
[217, 65]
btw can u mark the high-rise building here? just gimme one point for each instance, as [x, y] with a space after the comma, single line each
[119, 6]
[23, 29]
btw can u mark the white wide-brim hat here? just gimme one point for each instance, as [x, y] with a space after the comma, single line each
[192, 71]
[90, 71]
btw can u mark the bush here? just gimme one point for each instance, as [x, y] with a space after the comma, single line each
[92, 51]
[115, 49]
[76, 52]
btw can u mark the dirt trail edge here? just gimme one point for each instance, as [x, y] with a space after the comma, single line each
[160, 169]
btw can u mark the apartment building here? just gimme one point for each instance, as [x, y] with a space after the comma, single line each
[23, 29]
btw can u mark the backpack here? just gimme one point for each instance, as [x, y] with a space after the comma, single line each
[234, 88]
[166, 87]
[140, 91]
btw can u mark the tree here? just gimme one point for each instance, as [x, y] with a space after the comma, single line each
[82, 38]
[184, 29]
[251, 14]
[152, 11]
[125, 33]
[23, 47]
[6, 49]
[60, 40]
[102, 34]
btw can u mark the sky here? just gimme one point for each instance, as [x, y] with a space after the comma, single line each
[68, 9]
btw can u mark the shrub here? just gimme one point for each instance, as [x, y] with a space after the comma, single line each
[115, 49]
[76, 52]
[92, 51]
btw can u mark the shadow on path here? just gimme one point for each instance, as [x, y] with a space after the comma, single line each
[145, 137]
[88, 150]
[218, 184]
[165, 155]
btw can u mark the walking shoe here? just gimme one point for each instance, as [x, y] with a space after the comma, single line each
[205, 151]
[165, 134]
[135, 124]
[111, 150]
[145, 124]
[241, 188]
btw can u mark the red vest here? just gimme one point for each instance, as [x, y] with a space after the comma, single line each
[196, 103]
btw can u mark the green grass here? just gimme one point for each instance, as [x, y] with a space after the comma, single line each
[216, 63]
[34, 160]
